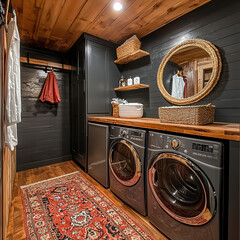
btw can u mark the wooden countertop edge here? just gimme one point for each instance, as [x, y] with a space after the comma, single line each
[228, 131]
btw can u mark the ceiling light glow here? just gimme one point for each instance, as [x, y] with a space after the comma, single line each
[117, 6]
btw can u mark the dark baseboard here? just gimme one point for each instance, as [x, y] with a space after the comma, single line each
[43, 163]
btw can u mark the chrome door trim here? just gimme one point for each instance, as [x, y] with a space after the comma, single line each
[129, 141]
[137, 174]
[208, 211]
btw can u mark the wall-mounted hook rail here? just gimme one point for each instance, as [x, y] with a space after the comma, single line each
[45, 63]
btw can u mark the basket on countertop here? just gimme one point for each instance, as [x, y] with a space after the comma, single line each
[115, 109]
[128, 48]
[194, 115]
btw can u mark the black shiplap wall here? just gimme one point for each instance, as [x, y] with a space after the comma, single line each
[217, 22]
[44, 133]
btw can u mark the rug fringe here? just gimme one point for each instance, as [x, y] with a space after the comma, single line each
[24, 186]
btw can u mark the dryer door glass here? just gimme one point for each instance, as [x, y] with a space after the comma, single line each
[182, 190]
[125, 163]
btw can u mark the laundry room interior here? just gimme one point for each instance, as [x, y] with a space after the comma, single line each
[120, 119]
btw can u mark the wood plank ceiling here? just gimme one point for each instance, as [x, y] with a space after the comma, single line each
[57, 24]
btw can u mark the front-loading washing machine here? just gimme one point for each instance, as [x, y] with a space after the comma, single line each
[185, 187]
[127, 167]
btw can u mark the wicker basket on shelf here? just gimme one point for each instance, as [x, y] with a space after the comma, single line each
[128, 48]
[194, 115]
[115, 110]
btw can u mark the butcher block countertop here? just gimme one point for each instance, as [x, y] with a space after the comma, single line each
[228, 131]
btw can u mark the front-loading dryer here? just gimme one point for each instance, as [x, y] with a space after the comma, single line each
[126, 166]
[185, 187]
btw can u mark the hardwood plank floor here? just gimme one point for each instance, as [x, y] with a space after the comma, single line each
[16, 224]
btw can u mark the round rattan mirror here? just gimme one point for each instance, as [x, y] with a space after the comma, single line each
[189, 71]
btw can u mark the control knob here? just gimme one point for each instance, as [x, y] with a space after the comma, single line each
[175, 144]
[123, 133]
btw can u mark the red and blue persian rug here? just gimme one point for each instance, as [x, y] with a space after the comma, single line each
[69, 207]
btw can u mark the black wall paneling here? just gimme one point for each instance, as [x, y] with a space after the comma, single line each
[44, 133]
[217, 22]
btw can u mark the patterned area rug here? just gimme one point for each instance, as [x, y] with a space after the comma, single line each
[70, 207]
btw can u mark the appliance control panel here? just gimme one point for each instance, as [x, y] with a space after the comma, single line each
[208, 150]
[203, 150]
[134, 135]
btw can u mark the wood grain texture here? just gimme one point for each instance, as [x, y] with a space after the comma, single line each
[131, 87]
[154, 15]
[8, 157]
[45, 63]
[9, 171]
[228, 131]
[188, 54]
[46, 19]
[6, 12]
[58, 24]
[16, 221]
[131, 57]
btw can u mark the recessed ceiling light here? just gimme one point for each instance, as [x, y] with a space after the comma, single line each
[117, 6]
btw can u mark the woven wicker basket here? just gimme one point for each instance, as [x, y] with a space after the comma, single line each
[128, 48]
[194, 115]
[115, 110]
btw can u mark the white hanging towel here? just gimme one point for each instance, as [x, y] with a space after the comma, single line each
[12, 85]
[177, 87]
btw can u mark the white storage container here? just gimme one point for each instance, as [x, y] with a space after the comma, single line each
[131, 110]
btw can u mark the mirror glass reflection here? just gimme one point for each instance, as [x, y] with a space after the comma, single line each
[187, 72]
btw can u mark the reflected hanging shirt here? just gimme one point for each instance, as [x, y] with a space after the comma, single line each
[50, 90]
[177, 87]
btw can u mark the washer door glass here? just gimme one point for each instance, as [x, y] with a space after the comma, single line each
[125, 163]
[182, 190]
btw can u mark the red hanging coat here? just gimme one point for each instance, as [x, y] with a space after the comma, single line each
[50, 90]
